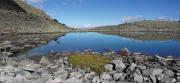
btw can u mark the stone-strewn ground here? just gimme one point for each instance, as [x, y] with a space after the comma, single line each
[18, 22]
[13, 44]
[130, 68]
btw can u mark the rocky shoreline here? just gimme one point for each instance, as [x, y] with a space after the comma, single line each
[125, 67]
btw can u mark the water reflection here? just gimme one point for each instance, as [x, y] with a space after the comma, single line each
[147, 35]
[100, 42]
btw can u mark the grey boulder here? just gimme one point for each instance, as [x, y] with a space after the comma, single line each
[119, 65]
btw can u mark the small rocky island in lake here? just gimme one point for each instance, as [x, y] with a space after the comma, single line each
[26, 28]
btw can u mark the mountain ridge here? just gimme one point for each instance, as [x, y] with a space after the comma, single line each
[147, 25]
[18, 17]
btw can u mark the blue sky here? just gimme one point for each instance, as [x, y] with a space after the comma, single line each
[89, 13]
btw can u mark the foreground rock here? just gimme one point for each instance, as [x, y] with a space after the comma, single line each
[119, 70]
[118, 65]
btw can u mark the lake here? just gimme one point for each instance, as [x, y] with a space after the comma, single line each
[163, 44]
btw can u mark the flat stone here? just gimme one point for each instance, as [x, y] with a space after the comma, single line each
[62, 75]
[132, 66]
[153, 79]
[161, 60]
[65, 58]
[58, 80]
[105, 81]
[119, 65]
[7, 53]
[173, 80]
[8, 68]
[90, 75]
[75, 74]
[152, 71]
[157, 71]
[105, 76]
[124, 81]
[44, 60]
[117, 76]
[25, 74]
[169, 73]
[146, 78]
[6, 42]
[29, 65]
[29, 46]
[96, 79]
[160, 76]
[178, 74]
[45, 74]
[50, 81]
[108, 67]
[178, 78]
[138, 78]
[73, 80]
[66, 63]
[167, 79]
[142, 67]
[20, 79]
[86, 81]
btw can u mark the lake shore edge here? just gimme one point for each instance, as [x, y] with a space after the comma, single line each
[124, 67]
[128, 67]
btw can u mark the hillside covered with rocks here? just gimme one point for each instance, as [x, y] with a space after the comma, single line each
[18, 17]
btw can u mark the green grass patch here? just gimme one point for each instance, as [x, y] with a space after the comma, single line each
[94, 62]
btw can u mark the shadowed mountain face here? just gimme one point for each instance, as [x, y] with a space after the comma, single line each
[10, 5]
[18, 17]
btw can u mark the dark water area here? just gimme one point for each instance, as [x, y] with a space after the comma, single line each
[156, 44]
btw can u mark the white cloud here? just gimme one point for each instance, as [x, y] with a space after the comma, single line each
[88, 25]
[129, 19]
[85, 26]
[162, 18]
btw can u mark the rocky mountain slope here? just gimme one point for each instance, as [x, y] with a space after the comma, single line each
[18, 17]
[143, 26]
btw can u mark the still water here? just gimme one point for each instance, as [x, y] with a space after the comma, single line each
[100, 42]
